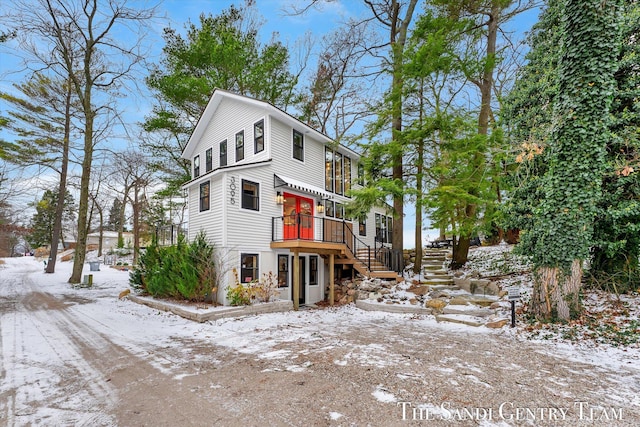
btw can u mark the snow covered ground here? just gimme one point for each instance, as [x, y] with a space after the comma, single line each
[372, 359]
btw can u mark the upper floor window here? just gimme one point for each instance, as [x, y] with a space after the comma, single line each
[205, 192]
[239, 146]
[337, 172]
[249, 268]
[328, 169]
[258, 136]
[362, 227]
[298, 146]
[329, 209]
[223, 153]
[360, 173]
[250, 195]
[209, 159]
[196, 166]
[339, 183]
[347, 174]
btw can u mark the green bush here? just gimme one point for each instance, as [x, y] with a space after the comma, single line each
[185, 271]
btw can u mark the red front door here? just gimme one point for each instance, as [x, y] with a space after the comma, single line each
[298, 217]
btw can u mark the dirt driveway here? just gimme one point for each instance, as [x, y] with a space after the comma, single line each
[68, 360]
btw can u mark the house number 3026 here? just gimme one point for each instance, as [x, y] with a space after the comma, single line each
[232, 190]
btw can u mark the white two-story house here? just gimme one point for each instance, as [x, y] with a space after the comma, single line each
[269, 191]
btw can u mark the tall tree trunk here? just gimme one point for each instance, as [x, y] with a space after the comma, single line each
[83, 210]
[62, 187]
[136, 223]
[417, 265]
[461, 250]
[399, 28]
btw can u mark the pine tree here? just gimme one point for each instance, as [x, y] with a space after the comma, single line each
[42, 221]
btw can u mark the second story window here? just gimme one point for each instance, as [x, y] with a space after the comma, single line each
[347, 174]
[239, 146]
[250, 195]
[209, 159]
[223, 153]
[298, 146]
[328, 169]
[360, 173]
[339, 179]
[362, 227]
[258, 137]
[196, 166]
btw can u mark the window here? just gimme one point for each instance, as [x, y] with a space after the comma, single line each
[362, 227]
[283, 271]
[239, 146]
[328, 169]
[360, 174]
[380, 237]
[313, 270]
[337, 172]
[347, 174]
[384, 227]
[209, 159]
[205, 191]
[338, 166]
[196, 166]
[223, 153]
[339, 210]
[258, 136]
[249, 267]
[250, 195]
[298, 146]
[328, 209]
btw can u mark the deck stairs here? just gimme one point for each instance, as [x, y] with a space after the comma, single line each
[365, 263]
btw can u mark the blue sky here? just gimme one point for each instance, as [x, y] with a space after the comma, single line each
[286, 28]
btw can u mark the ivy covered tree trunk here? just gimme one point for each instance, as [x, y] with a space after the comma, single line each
[562, 233]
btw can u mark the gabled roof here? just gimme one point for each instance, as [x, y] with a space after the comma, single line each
[214, 103]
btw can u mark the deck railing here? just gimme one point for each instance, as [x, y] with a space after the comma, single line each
[167, 235]
[322, 229]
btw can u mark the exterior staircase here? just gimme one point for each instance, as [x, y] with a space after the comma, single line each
[433, 271]
[365, 263]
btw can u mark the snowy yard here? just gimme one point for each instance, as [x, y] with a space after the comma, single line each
[78, 356]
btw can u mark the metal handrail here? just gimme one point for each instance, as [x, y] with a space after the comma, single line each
[322, 229]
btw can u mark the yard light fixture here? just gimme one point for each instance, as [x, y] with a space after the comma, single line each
[320, 207]
[279, 198]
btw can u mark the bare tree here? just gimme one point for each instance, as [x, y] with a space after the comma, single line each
[134, 175]
[337, 97]
[77, 40]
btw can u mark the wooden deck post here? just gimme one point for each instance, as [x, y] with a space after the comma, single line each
[296, 280]
[331, 279]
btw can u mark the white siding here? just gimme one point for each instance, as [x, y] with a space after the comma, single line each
[211, 221]
[311, 171]
[230, 118]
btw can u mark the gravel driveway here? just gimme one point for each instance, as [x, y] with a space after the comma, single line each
[68, 359]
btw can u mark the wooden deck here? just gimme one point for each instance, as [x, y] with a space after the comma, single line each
[341, 254]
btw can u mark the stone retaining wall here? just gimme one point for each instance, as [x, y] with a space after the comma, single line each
[216, 313]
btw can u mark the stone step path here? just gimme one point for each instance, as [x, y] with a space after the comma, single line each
[449, 305]
[461, 300]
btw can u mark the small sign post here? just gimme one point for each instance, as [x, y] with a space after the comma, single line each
[514, 295]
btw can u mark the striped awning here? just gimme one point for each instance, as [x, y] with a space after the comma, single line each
[283, 181]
